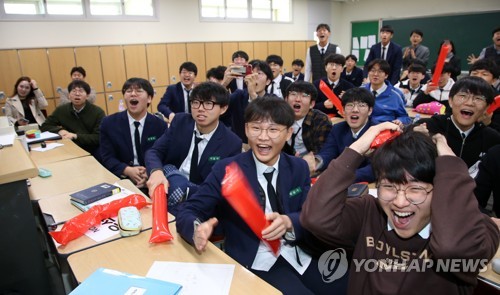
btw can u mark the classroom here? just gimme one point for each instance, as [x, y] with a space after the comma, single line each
[133, 61]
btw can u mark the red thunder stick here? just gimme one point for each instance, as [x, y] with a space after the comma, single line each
[331, 96]
[440, 63]
[495, 105]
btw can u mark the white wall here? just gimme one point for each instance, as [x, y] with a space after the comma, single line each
[179, 22]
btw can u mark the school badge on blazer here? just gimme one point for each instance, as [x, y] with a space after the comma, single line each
[213, 159]
[151, 138]
[295, 192]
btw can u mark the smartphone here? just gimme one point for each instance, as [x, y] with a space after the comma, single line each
[242, 70]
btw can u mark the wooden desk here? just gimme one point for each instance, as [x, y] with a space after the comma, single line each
[135, 255]
[412, 113]
[61, 210]
[23, 268]
[66, 152]
[491, 276]
[70, 176]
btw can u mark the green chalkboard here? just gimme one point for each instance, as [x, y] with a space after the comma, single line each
[469, 32]
[360, 31]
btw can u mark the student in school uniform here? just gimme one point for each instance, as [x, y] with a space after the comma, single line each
[176, 97]
[192, 145]
[334, 64]
[126, 136]
[411, 87]
[487, 180]
[280, 83]
[296, 73]
[315, 55]
[280, 183]
[239, 58]
[440, 92]
[351, 73]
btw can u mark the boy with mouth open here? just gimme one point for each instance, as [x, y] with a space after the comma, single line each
[316, 54]
[280, 183]
[469, 98]
[426, 213]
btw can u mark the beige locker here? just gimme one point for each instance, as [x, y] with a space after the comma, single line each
[113, 68]
[196, 54]
[213, 55]
[228, 48]
[136, 64]
[90, 59]
[157, 64]
[248, 48]
[114, 102]
[35, 64]
[51, 105]
[11, 71]
[176, 54]
[159, 91]
[100, 101]
[260, 50]
[300, 48]
[61, 60]
[288, 55]
[275, 47]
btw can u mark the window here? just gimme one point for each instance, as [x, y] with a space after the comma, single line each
[86, 9]
[254, 10]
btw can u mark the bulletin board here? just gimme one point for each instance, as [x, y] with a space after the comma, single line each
[363, 36]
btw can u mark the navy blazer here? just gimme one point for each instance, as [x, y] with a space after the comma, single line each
[355, 78]
[172, 100]
[290, 75]
[173, 146]
[394, 58]
[339, 138]
[241, 243]
[233, 86]
[238, 102]
[343, 85]
[116, 140]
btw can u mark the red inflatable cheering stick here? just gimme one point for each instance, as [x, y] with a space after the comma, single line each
[160, 232]
[386, 135]
[331, 96]
[440, 63]
[495, 105]
[239, 194]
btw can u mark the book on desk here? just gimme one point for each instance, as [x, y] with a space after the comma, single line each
[94, 193]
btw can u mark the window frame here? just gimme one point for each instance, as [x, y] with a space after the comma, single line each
[86, 16]
[245, 20]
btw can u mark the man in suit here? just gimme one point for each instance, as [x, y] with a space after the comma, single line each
[176, 97]
[280, 184]
[192, 145]
[316, 54]
[416, 51]
[123, 151]
[389, 51]
[358, 106]
[280, 83]
[296, 73]
[334, 63]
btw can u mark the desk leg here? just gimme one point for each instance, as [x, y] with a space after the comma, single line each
[23, 268]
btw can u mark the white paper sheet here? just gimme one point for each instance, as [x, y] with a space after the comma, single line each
[355, 43]
[49, 147]
[44, 136]
[355, 52]
[372, 39]
[367, 52]
[363, 42]
[195, 278]
[7, 139]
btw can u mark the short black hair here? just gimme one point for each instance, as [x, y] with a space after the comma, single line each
[334, 58]
[412, 153]
[418, 68]
[298, 62]
[79, 84]
[418, 32]
[323, 26]
[304, 87]
[497, 29]
[210, 91]
[240, 53]
[139, 83]
[473, 85]
[487, 65]
[273, 58]
[79, 70]
[216, 72]
[270, 108]
[382, 63]
[387, 28]
[264, 67]
[453, 49]
[189, 66]
[352, 56]
[358, 94]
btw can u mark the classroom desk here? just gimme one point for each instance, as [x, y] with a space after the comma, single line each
[61, 210]
[69, 176]
[66, 152]
[136, 255]
[489, 275]
[22, 261]
[412, 113]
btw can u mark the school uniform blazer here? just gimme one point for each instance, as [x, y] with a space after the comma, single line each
[233, 86]
[299, 78]
[394, 57]
[116, 140]
[240, 242]
[173, 146]
[173, 100]
[343, 85]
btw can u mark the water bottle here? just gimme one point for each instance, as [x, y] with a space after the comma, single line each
[121, 105]
[417, 117]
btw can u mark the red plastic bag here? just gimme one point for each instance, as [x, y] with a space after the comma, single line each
[239, 194]
[495, 105]
[160, 232]
[331, 96]
[78, 225]
[386, 135]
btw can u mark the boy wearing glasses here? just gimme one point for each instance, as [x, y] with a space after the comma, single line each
[469, 140]
[406, 240]
[358, 106]
[176, 97]
[280, 183]
[126, 136]
[311, 126]
[184, 155]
